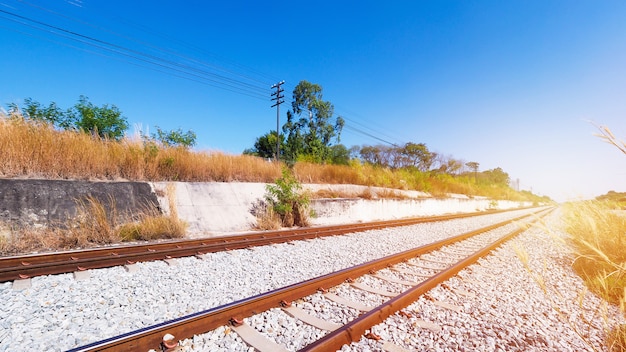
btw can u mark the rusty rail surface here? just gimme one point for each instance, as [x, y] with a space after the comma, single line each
[27, 266]
[201, 322]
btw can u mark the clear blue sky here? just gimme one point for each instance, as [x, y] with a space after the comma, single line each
[508, 84]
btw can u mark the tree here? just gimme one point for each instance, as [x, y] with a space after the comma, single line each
[474, 167]
[105, 121]
[371, 154]
[309, 128]
[447, 164]
[497, 176]
[175, 138]
[265, 146]
[416, 155]
[339, 154]
[51, 114]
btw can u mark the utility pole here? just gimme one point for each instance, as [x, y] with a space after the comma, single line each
[278, 96]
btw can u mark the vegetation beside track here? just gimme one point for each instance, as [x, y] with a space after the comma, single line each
[93, 226]
[596, 233]
[36, 149]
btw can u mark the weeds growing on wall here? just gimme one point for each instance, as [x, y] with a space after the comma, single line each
[94, 225]
[286, 201]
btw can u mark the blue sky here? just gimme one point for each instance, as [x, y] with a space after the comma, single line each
[510, 84]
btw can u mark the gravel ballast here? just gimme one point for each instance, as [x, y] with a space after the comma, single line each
[58, 312]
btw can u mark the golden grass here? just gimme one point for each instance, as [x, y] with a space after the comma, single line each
[94, 225]
[598, 236]
[37, 150]
[30, 149]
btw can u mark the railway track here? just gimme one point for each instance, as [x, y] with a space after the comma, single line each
[28, 266]
[416, 272]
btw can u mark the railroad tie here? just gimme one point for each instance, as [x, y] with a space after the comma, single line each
[81, 275]
[410, 272]
[427, 325]
[356, 305]
[255, 339]
[310, 319]
[436, 261]
[459, 291]
[21, 284]
[394, 280]
[171, 261]
[449, 306]
[457, 253]
[364, 287]
[392, 347]
[131, 268]
[422, 266]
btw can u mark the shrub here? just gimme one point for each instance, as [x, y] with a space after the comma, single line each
[286, 199]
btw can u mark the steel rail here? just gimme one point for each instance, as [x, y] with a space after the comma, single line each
[353, 331]
[201, 322]
[27, 266]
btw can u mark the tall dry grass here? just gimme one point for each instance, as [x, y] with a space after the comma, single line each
[37, 150]
[31, 149]
[598, 236]
[95, 224]
[594, 234]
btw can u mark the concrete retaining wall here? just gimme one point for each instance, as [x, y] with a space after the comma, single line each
[336, 211]
[212, 208]
[215, 208]
[28, 202]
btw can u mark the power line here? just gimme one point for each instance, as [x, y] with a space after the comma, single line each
[354, 129]
[167, 66]
[157, 47]
[137, 55]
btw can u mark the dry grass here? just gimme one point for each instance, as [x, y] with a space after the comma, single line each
[598, 236]
[94, 225]
[31, 149]
[364, 194]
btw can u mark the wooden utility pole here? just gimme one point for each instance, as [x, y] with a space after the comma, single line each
[278, 96]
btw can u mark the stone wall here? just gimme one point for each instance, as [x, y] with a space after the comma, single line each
[31, 202]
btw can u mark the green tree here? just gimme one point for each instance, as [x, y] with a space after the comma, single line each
[474, 167]
[265, 146]
[339, 154]
[309, 126]
[105, 121]
[175, 138]
[497, 176]
[51, 114]
[416, 155]
[286, 198]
